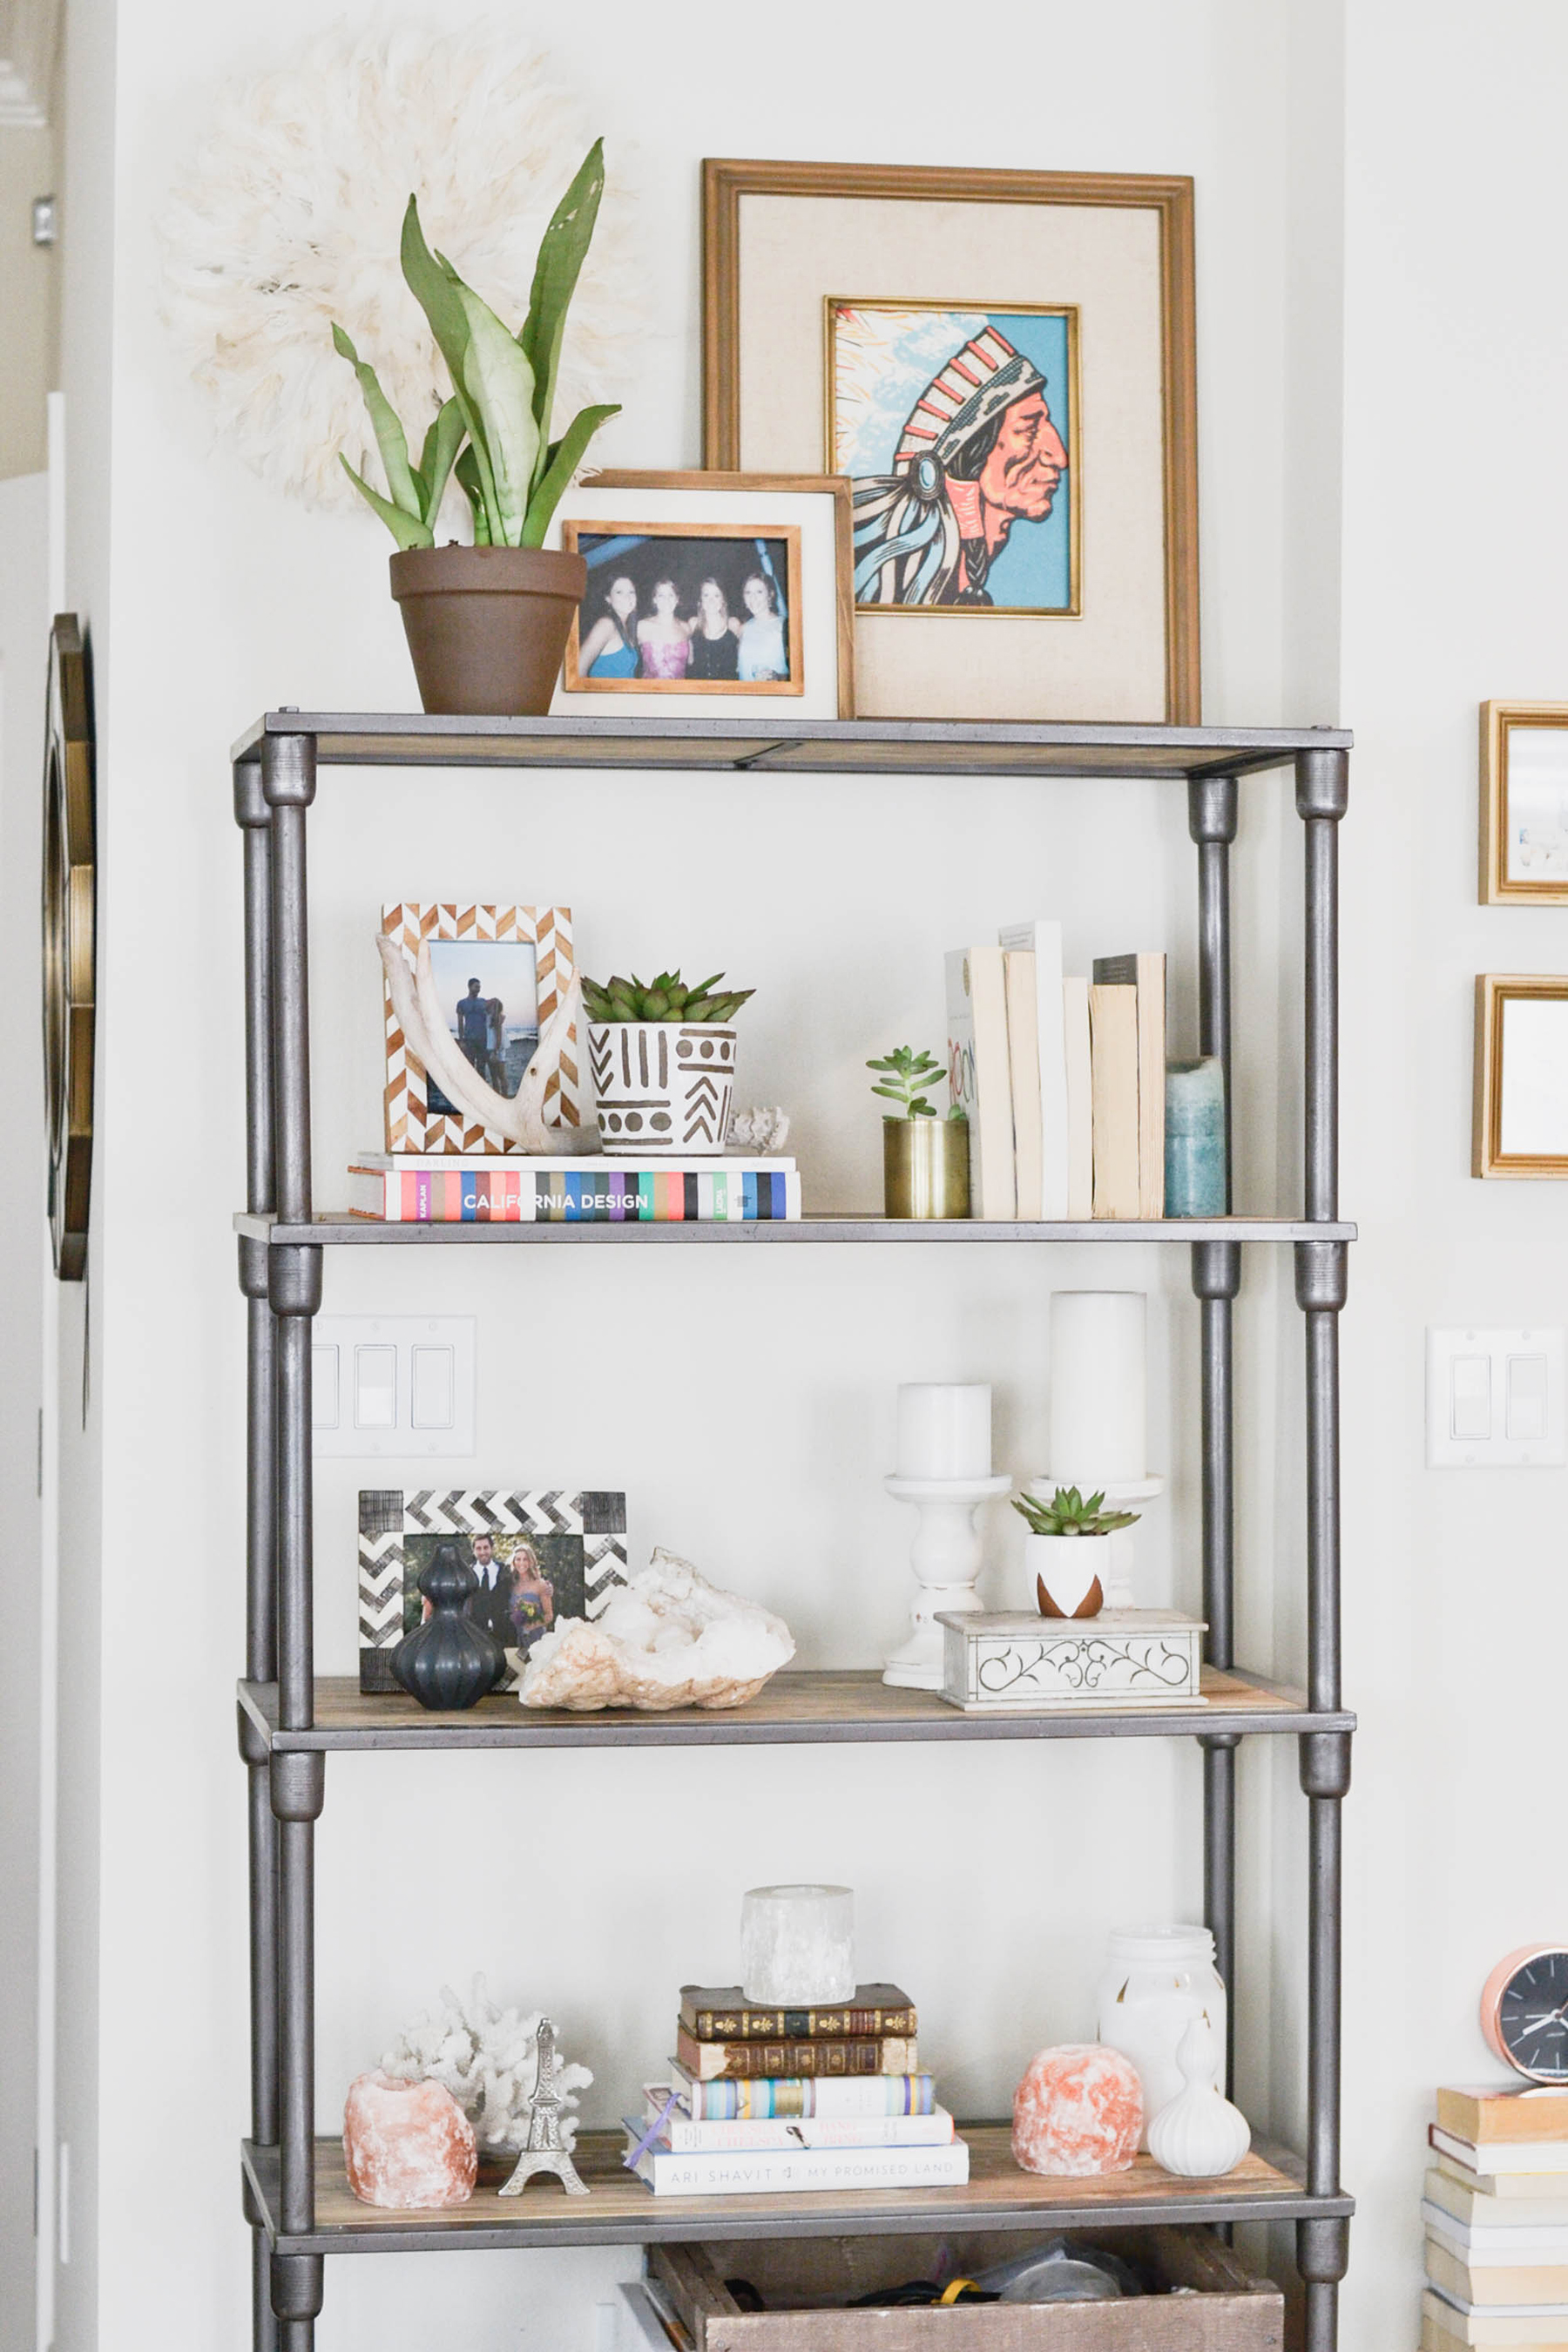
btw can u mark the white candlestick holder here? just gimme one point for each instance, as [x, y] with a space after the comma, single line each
[946, 1557]
[1120, 1495]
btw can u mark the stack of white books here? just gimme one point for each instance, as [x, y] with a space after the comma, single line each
[1496, 2213]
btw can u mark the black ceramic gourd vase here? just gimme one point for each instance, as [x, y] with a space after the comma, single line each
[449, 1662]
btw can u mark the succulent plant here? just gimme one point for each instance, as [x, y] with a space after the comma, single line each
[1067, 1514]
[666, 998]
[905, 1075]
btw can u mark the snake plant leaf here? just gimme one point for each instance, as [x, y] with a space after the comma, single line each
[390, 437]
[433, 283]
[407, 529]
[562, 252]
[499, 383]
[438, 454]
[565, 457]
[466, 470]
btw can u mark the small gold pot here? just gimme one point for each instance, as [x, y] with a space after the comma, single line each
[925, 1167]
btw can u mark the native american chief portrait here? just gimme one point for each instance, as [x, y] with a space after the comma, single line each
[954, 428]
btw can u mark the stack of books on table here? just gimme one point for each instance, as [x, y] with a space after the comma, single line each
[762, 2101]
[517, 1189]
[1062, 1079]
[1497, 2221]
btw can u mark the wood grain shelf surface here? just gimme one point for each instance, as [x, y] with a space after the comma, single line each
[795, 1709]
[620, 2211]
[339, 1227]
[813, 747]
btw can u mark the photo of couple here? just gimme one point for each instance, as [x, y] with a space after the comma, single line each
[671, 610]
[490, 991]
[526, 1583]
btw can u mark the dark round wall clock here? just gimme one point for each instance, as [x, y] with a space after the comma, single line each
[1524, 2011]
[70, 891]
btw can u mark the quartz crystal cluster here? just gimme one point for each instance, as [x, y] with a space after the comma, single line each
[667, 1639]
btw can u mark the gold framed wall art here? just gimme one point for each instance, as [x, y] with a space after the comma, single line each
[1004, 363]
[1524, 804]
[1521, 1074]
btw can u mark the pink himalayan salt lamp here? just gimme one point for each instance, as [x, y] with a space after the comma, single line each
[1079, 2110]
[407, 2144]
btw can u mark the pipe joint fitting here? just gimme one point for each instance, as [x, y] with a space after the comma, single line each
[249, 800]
[253, 1269]
[289, 771]
[297, 2285]
[1217, 1269]
[1323, 1275]
[1323, 2250]
[294, 1279]
[1213, 808]
[1325, 1763]
[299, 1783]
[1322, 783]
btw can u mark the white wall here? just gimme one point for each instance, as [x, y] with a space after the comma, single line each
[576, 1880]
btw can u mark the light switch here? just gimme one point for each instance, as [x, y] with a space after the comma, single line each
[393, 1387]
[1470, 1413]
[433, 1388]
[1527, 1396]
[1496, 1400]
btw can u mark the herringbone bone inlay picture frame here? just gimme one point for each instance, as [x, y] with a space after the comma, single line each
[411, 1125]
[580, 1541]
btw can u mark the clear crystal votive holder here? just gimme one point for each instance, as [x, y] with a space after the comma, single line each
[797, 1945]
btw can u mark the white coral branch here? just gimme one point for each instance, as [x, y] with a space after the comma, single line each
[487, 2057]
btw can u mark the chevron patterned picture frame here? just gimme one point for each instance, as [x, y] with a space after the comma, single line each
[541, 1555]
[494, 1033]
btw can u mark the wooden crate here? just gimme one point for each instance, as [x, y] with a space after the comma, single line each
[1228, 2310]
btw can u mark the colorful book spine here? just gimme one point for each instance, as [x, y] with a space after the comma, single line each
[678, 2134]
[723, 2014]
[707, 2060]
[728, 2101]
[521, 1196]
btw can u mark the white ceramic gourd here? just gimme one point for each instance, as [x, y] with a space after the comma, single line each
[1199, 2135]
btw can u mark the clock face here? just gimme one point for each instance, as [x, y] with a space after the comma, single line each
[1531, 2016]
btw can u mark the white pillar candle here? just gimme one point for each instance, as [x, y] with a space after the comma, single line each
[1098, 1349]
[944, 1431]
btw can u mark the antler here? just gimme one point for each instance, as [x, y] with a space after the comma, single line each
[520, 1117]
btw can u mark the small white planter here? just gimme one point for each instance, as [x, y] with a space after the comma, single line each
[1068, 1572]
[663, 1086]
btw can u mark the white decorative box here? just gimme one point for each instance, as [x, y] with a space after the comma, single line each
[1040, 1665]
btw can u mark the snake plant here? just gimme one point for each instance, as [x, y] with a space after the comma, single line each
[494, 431]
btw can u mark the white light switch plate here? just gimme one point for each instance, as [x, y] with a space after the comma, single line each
[396, 1386]
[1496, 1400]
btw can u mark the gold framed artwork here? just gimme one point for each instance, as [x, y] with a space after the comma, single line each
[500, 972]
[711, 591]
[69, 943]
[1003, 365]
[1524, 804]
[1521, 1074]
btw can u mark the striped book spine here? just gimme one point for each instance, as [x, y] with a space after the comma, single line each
[513, 1196]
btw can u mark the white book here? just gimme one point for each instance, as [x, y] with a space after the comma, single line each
[778, 2171]
[1044, 939]
[1452, 2311]
[1484, 2248]
[978, 1075]
[683, 2137]
[1079, 1082]
[1469, 2202]
[1537, 2156]
[1024, 1074]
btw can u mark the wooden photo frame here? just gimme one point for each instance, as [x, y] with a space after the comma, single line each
[1521, 1074]
[1524, 804]
[983, 445]
[543, 938]
[767, 555]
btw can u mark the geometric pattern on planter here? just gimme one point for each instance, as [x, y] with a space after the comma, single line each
[410, 1123]
[663, 1086]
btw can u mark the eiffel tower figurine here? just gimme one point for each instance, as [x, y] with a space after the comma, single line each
[542, 2151]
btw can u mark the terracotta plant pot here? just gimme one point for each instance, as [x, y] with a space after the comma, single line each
[487, 626]
[664, 1086]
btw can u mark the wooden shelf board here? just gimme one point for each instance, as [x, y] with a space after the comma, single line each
[795, 1709]
[819, 747]
[339, 1227]
[620, 2211]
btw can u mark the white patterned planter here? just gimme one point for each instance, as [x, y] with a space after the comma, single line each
[1042, 1665]
[664, 1086]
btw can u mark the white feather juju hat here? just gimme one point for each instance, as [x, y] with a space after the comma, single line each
[290, 217]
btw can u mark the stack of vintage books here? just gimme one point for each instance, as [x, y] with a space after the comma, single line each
[1497, 2221]
[768, 2100]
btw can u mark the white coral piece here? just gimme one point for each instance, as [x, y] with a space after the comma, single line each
[290, 213]
[760, 1128]
[667, 1639]
[489, 2060]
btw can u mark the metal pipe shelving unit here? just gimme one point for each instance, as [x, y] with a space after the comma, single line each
[295, 2198]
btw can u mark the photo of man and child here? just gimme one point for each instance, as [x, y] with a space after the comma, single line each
[678, 612]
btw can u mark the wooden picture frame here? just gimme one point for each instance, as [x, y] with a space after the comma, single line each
[811, 513]
[786, 244]
[1523, 804]
[411, 1124]
[1521, 1126]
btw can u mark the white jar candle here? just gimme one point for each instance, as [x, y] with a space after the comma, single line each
[798, 1945]
[1156, 1980]
[944, 1430]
